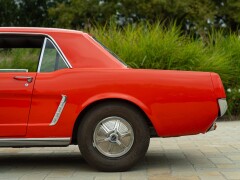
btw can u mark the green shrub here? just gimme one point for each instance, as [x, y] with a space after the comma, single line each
[233, 96]
[158, 47]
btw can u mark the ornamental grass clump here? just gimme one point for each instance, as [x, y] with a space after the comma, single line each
[159, 47]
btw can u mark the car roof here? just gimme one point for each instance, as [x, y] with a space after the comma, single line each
[78, 47]
[39, 30]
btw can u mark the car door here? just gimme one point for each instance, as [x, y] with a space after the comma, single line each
[19, 56]
[50, 93]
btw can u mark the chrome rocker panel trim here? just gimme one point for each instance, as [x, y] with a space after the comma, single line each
[34, 142]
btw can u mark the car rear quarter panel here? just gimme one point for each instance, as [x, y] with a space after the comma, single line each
[177, 103]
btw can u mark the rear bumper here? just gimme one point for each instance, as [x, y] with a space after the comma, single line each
[222, 103]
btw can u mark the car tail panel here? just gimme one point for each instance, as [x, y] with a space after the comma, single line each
[218, 86]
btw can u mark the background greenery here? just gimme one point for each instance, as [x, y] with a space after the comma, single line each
[192, 16]
[203, 37]
[157, 47]
[20, 58]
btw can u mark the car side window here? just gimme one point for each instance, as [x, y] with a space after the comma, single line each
[19, 53]
[51, 59]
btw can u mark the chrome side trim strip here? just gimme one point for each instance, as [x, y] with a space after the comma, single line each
[41, 56]
[31, 142]
[59, 110]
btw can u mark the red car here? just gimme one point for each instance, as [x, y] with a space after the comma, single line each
[61, 87]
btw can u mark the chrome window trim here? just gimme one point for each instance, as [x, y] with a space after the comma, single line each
[14, 70]
[31, 142]
[47, 36]
[59, 110]
[60, 52]
[102, 46]
[45, 41]
[41, 55]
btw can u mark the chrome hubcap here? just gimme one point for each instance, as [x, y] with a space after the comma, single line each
[113, 136]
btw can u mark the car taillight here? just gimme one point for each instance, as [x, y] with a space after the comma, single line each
[218, 86]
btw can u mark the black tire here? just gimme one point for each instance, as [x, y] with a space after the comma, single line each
[134, 154]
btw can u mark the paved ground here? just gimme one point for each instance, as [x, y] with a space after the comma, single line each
[215, 155]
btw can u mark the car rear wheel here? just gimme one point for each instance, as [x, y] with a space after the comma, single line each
[113, 136]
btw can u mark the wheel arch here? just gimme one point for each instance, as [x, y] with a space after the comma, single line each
[89, 106]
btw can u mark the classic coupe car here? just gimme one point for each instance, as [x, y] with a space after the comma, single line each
[62, 87]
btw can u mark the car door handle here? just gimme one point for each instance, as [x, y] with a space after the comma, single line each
[22, 78]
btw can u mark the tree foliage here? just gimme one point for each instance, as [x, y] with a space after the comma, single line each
[197, 16]
[26, 12]
[8, 13]
[193, 16]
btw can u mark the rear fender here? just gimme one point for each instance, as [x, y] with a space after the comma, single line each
[120, 96]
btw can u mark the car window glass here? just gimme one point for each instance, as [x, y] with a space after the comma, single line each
[19, 53]
[51, 60]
